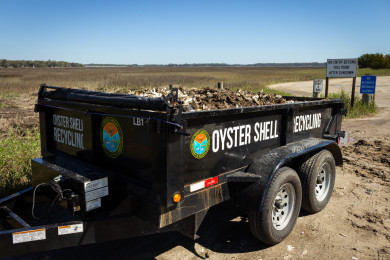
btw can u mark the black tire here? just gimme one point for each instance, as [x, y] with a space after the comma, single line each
[317, 175]
[265, 223]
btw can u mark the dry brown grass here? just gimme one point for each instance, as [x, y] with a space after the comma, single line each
[25, 80]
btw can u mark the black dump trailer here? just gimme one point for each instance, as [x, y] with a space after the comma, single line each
[115, 166]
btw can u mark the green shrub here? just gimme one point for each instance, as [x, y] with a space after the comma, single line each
[373, 60]
[359, 108]
[16, 151]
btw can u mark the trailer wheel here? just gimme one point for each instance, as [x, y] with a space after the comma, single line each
[317, 175]
[276, 219]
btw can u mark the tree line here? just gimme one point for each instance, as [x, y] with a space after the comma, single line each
[37, 64]
[368, 60]
[296, 64]
[374, 61]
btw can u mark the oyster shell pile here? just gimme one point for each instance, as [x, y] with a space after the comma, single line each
[213, 98]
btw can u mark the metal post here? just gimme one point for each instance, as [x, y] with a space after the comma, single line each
[326, 87]
[220, 85]
[317, 87]
[367, 98]
[353, 92]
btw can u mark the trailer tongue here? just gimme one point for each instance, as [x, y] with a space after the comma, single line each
[116, 166]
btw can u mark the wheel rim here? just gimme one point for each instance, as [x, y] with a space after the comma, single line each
[323, 182]
[283, 206]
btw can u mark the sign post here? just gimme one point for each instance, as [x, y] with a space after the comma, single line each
[353, 92]
[317, 87]
[341, 68]
[326, 87]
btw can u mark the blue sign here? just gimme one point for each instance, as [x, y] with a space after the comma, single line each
[367, 85]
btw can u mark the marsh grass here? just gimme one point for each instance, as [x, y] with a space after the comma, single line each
[5, 99]
[380, 72]
[122, 79]
[268, 90]
[25, 80]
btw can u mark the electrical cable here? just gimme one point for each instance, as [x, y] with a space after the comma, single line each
[56, 188]
[33, 204]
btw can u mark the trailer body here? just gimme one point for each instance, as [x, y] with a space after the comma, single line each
[131, 166]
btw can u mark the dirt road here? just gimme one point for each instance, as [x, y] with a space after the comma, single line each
[355, 224]
[305, 88]
[376, 126]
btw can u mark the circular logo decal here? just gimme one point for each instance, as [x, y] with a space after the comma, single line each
[200, 144]
[112, 139]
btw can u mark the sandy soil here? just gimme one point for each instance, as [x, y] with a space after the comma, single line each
[355, 224]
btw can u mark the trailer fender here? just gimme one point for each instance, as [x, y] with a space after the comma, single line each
[265, 164]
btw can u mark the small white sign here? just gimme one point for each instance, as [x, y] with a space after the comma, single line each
[91, 195]
[70, 229]
[341, 68]
[96, 184]
[317, 85]
[28, 236]
[93, 204]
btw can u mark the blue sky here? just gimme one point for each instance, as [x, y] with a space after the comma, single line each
[162, 32]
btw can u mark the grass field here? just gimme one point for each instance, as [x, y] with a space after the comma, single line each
[121, 79]
[19, 135]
